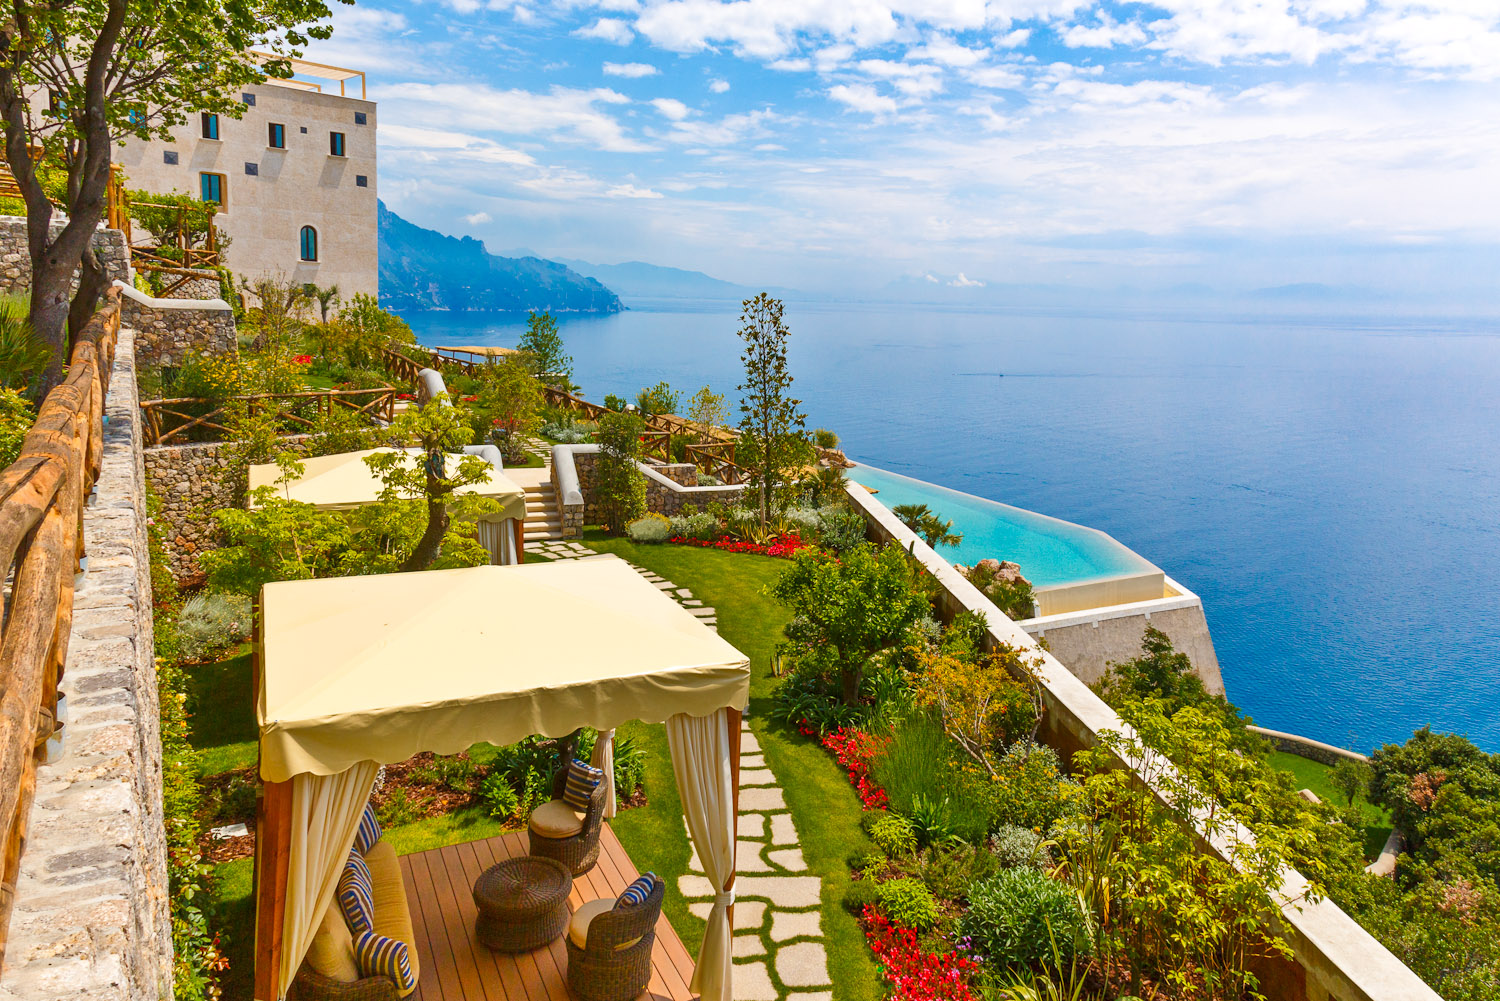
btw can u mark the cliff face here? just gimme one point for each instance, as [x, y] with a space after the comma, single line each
[424, 269]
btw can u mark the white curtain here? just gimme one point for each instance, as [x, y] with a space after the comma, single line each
[325, 815]
[499, 537]
[603, 758]
[700, 761]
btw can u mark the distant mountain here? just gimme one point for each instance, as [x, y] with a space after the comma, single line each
[637, 279]
[1314, 292]
[423, 269]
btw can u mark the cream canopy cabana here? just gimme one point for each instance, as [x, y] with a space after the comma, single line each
[343, 481]
[355, 672]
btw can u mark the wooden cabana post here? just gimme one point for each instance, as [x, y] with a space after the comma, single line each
[273, 835]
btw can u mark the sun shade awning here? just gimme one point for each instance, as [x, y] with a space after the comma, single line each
[343, 481]
[382, 667]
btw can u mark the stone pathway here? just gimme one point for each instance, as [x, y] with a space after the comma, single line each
[778, 920]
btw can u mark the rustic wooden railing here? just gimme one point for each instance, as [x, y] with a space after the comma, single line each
[174, 421]
[115, 214]
[656, 445]
[717, 458]
[567, 401]
[42, 495]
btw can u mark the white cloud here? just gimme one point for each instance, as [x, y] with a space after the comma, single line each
[942, 49]
[1105, 35]
[672, 108]
[729, 130]
[631, 70]
[608, 29]
[963, 281]
[477, 218]
[790, 65]
[916, 80]
[718, 86]
[631, 191]
[562, 114]
[863, 97]
[995, 77]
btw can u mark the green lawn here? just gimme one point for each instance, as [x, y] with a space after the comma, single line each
[1313, 775]
[823, 804]
[222, 704]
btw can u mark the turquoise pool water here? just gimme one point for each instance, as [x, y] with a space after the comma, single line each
[1050, 551]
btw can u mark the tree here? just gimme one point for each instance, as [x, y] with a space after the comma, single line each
[928, 524]
[658, 399]
[437, 430]
[544, 345]
[707, 409]
[326, 296]
[984, 702]
[509, 402]
[851, 608]
[772, 422]
[622, 486]
[112, 69]
[1351, 778]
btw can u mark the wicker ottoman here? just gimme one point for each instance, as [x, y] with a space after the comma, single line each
[523, 903]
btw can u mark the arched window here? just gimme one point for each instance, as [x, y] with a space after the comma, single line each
[309, 243]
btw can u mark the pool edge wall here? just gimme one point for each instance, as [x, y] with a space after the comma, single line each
[1333, 958]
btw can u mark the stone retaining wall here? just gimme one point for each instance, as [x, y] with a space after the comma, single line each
[664, 495]
[170, 330]
[91, 916]
[1306, 747]
[1089, 642]
[15, 257]
[193, 482]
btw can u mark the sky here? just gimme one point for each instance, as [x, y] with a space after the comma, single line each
[848, 144]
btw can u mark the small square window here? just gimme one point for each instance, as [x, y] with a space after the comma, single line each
[360, 118]
[361, 181]
[304, 130]
[335, 144]
[248, 98]
[253, 169]
[169, 157]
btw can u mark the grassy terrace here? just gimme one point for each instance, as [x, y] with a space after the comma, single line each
[822, 802]
[1314, 775]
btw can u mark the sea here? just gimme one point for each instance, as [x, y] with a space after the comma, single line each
[1328, 484]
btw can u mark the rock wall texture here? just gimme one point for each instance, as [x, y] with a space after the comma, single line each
[91, 918]
[168, 336]
[205, 286]
[1088, 648]
[1306, 747]
[668, 488]
[15, 258]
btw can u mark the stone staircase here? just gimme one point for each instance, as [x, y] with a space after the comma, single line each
[543, 518]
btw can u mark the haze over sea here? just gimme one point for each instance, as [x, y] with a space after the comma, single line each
[1330, 486]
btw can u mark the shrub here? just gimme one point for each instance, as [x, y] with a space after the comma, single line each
[210, 622]
[952, 871]
[651, 527]
[1018, 847]
[893, 835]
[1029, 789]
[567, 434]
[454, 772]
[23, 355]
[16, 418]
[825, 438]
[613, 402]
[630, 766]
[695, 526]
[658, 399]
[917, 764]
[842, 530]
[499, 798]
[398, 809]
[621, 485]
[861, 894]
[1015, 916]
[907, 902]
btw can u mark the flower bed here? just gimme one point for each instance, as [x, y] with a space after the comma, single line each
[854, 750]
[785, 547]
[914, 973]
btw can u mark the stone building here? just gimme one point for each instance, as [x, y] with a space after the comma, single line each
[295, 176]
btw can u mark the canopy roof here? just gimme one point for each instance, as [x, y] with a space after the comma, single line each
[343, 481]
[382, 667]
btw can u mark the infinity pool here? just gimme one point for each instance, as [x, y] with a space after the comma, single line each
[1050, 551]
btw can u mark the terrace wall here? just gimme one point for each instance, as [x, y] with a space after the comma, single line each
[170, 330]
[1334, 959]
[668, 487]
[91, 918]
[15, 256]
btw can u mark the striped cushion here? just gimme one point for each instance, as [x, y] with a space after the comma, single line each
[582, 779]
[369, 829]
[379, 956]
[637, 892]
[354, 896]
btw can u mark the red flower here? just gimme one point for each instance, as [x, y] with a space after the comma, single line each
[403, 396]
[468, 399]
[784, 547]
[914, 974]
[855, 749]
[303, 360]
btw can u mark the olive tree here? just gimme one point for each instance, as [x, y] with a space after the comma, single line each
[79, 76]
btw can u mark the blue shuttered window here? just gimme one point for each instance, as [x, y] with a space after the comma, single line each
[309, 243]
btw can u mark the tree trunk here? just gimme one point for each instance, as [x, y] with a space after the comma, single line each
[92, 281]
[849, 678]
[431, 542]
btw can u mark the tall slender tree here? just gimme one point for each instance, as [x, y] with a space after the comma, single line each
[79, 76]
[772, 424]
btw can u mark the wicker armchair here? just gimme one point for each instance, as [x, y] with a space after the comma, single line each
[580, 851]
[614, 963]
[310, 985]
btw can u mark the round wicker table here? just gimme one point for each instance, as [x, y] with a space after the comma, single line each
[523, 903]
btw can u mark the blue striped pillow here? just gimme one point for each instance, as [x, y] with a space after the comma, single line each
[582, 780]
[637, 892]
[378, 956]
[368, 831]
[355, 897]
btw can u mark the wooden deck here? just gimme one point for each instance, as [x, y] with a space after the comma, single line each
[455, 967]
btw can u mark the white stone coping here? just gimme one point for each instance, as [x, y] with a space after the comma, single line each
[1309, 743]
[1093, 616]
[565, 472]
[1337, 954]
[152, 302]
[565, 475]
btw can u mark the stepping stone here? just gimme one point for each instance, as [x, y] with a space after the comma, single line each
[663, 585]
[752, 761]
[811, 996]
[696, 886]
[748, 914]
[690, 603]
[747, 858]
[757, 777]
[791, 892]
[748, 743]
[761, 799]
[747, 945]
[753, 983]
[753, 825]
[800, 924]
[703, 613]
[683, 592]
[789, 859]
[802, 965]
[783, 832]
